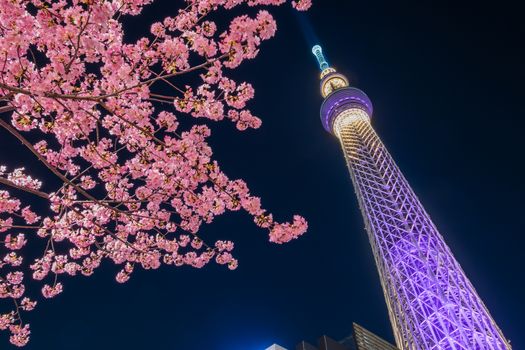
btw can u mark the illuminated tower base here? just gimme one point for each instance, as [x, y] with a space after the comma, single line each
[431, 303]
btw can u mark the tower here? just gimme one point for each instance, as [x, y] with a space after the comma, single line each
[430, 301]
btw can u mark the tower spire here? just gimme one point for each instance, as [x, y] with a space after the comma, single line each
[318, 52]
[330, 79]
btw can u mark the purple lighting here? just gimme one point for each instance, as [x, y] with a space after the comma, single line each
[431, 303]
[341, 100]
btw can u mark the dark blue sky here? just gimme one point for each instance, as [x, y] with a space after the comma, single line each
[447, 84]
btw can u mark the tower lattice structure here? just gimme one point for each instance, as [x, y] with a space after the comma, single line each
[430, 301]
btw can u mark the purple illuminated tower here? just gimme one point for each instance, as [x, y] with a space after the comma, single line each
[431, 303]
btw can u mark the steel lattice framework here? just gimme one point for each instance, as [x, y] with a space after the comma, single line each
[431, 303]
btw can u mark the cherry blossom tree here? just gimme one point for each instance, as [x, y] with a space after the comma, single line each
[134, 187]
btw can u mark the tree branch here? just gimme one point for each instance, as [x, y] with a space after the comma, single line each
[9, 183]
[116, 93]
[5, 109]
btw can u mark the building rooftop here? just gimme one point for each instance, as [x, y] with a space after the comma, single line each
[361, 339]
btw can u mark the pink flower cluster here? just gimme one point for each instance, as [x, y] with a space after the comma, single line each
[19, 334]
[18, 177]
[283, 233]
[302, 5]
[134, 186]
[51, 291]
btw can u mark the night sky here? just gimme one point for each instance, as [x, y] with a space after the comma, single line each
[446, 80]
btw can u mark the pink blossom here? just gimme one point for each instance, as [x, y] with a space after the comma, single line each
[6, 320]
[51, 291]
[196, 243]
[302, 5]
[19, 335]
[224, 246]
[122, 277]
[28, 304]
[224, 258]
[282, 233]
[29, 216]
[233, 264]
[19, 178]
[15, 277]
[13, 259]
[16, 242]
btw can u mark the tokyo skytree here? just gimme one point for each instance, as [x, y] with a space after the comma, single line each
[430, 301]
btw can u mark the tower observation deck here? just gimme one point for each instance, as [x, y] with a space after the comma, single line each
[430, 301]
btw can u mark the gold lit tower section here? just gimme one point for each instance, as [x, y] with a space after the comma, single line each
[431, 303]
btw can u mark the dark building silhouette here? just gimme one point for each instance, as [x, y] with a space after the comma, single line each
[305, 346]
[361, 339]
[325, 343]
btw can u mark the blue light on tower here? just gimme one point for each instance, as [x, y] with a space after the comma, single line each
[318, 52]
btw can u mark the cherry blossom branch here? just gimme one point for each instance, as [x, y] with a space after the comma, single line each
[56, 172]
[67, 67]
[26, 143]
[5, 109]
[105, 96]
[63, 178]
[6, 182]
[20, 226]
